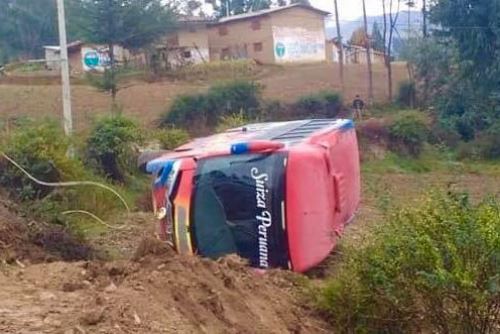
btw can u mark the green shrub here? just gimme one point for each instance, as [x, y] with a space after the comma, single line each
[322, 104]
[407, 94]
[186, 110]
[105, 82]
[432, 268]
[231, 121]
[172, 138]
[41, 148]
[234, 97]
[273, 110]
[205, 110]
[110, 147]
[489, 142]
[408, 133]
[485, 146]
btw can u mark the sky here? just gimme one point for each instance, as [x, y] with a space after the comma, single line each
[353, 9]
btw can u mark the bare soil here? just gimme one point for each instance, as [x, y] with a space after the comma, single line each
[147, 101]
[154, 290]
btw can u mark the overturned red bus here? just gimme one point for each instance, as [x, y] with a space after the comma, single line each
[278, 194]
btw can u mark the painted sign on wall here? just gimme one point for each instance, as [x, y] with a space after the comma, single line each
[95, 59]
[298, 44]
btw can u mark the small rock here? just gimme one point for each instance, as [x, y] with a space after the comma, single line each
[46, 295]
[80, 330]
[161, 266]
[52, 322]
[137, 320]
[93, 317]
[69, 331]
[87, 283]
[110, 288]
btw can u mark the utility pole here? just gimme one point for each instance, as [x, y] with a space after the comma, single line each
[66, 92]
[341, 47]
[368, 57]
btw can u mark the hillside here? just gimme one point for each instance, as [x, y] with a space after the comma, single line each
[146, 101]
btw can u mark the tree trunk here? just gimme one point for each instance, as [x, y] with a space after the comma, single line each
[424, 18]
[341, 48]
[368, 57]
[385, 45]
[112, 74]
[392, 21]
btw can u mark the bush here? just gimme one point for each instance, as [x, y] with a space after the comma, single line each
[41, 148]
[110, 147]
[234, 97]
[322, 104]
[273, 110]
[407, 94]
[205, 110]
[187, 110]
[433, 268]
[172, 138]
[485, 146]
[231, 121]
[408, 133]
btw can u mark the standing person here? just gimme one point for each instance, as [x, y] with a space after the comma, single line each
[358, 104]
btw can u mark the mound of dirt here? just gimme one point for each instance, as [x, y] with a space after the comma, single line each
[25, 240]
[15, 241]
[161, 293]
[148, 288]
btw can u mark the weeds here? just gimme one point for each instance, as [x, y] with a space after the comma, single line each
[433, 267]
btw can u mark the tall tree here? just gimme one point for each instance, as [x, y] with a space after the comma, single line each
[393, 20]
[25, 26]
[474, 27]
[340, 47]
[377, 38]
[302, 2]
[424, 18]
[234, 7]
[368, 56]
[359, 37]
[132, 24]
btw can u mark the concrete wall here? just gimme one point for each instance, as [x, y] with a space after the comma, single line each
[243, 39]
[52, 61]
[298, 36]
[187, 46]
[357, 55]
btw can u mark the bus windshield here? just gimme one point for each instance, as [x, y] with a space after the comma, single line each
[238, 207]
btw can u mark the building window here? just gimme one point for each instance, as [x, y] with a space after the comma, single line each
[255, 25]
[223, 31]
[186, 54]
[257, 47]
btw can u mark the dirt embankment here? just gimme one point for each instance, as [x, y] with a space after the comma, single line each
[156, 291]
